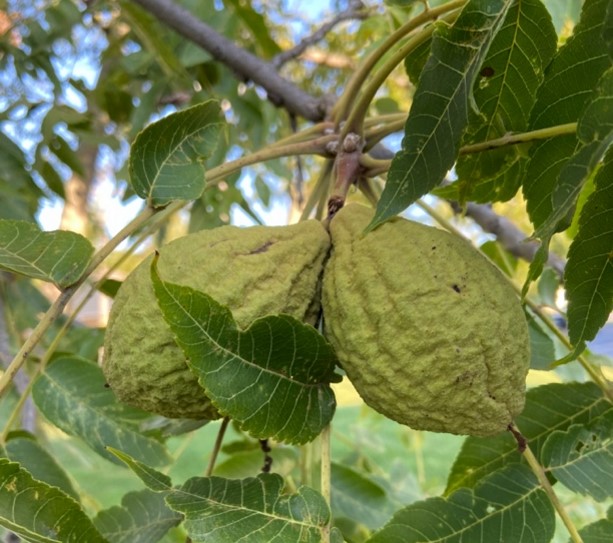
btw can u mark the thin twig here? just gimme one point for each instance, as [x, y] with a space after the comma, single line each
[355, 11]
[217, 446]
[326, 476]
[538, 470]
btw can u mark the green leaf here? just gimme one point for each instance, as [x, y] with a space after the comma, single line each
[504, 93]
[60, 257]
[358, 498]
[167, 158]
[152, 36]
[595, 131]
[41, 513]
[581, 458]
[569, 84]
[548, 408]
[62, 150]
[542, 349]
[273, 378]
[607, 31]
[439, 113]
[153, 479]
[143, 517]
[501, 506]
[600, 531]
[589, 271]
[72, 395]
[254, 509]
[22, 447]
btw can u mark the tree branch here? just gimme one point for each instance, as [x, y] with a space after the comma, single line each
[356, 10]
[510, 237]
[281, 92]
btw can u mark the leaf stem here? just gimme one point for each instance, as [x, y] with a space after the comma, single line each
[539, 471]
[326, 476]
[522, 137]
[217, 447]
[309, 147]
[356, 83]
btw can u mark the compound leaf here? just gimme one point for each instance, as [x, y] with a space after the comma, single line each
[143, 517]
[72, 395]
[504, 93]
[569, 84]
[548, 408]
[501, 505]
[589, 270]
[439, 113]
[228, 510]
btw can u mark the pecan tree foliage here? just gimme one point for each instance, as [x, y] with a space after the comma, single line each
[199, 109]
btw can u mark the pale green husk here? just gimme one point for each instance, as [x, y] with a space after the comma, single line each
[428, 331]
[254, 271]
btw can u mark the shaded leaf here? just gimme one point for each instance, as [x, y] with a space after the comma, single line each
[59, 256]
[256, 23]
[273, 378]
[439, 113]
[589, 270]
[569, 84]
[22, 447]
[358, 498]
[256, 509]
[72, 395]
[149, 33]
[41, 513]
[542, 349]
[167, 158]
[500, 506]
[62, 150]
[548, 408]
[504, 93]
[143, 517]
[581, 458]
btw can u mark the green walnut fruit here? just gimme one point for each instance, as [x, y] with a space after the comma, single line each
[254, 271]
[426, 328]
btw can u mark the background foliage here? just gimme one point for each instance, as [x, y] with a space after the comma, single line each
[123, 128]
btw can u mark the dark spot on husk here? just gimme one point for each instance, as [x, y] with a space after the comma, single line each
[456, 288]
[261, 249]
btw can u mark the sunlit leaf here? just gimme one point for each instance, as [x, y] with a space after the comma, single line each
[581, 458]
[569, 84]
[589, 271]
[167, 158]
[41, 513]
[72, 395]
[439, 113]
[548, 408]
[273, 378]
[498, 508]
[143, 517]
[59, 256]
[504, 93]
[595, 132]
[256, 509]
